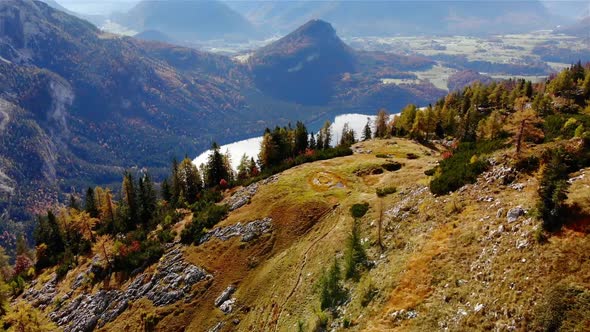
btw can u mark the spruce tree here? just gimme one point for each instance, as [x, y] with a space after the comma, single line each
[367, 133]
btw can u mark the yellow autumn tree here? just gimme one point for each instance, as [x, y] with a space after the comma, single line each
[22, 317]
[490, 127]
[523, 125]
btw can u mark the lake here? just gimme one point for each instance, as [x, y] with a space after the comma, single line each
[251, 146]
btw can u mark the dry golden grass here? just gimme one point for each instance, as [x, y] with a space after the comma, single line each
[443, 257]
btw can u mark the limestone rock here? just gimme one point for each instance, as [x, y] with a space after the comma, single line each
[514, 213]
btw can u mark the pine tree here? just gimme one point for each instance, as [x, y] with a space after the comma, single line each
[215, 168]
[166, 191]
[301, 142]
[312, 143]
[128, 211]
[355, 254]
[147, 199]
[90, 205]
[367, 133]
[176, 186]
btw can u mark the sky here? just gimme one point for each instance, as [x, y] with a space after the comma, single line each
[103, 7]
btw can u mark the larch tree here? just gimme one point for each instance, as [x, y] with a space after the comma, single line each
[23, 317]
[326, 135]
[490, 127]
[381, 124]
[523, 125]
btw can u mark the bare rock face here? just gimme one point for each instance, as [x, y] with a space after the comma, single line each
[43, 297]
[172, 282]
[243, 196]
[225, 295]
[248, 231]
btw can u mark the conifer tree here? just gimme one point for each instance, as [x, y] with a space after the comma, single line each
[215, 168]
[190, 181]
[301, 141]
[90, 205]
[312, 142]
[147, 199]
[367, 133]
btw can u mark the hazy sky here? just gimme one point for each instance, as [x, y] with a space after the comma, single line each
[108, 6]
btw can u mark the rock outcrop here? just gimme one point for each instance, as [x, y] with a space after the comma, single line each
[172, 281]
[248, 231]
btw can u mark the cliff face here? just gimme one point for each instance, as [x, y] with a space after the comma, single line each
[469, 260]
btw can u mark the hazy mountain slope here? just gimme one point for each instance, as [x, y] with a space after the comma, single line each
[313, 66]
[101, 102]
[354, 18]
[304, 65]
[187, 20]
[579, 29]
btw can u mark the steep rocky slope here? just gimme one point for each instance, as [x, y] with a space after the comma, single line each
[465, 261]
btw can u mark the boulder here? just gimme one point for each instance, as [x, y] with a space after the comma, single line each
[514, 213]
[225, 295]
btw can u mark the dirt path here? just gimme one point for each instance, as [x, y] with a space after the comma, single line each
[302, 266]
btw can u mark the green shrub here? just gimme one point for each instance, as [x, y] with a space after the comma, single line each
[207, 217]
[381, 155]
[392, 166]
[382, 192]
[552, 190]
[430, 172]
[355, 256]
[565, 308]
[461, 168]
[359, 210]
[332, 293]
[527, 164]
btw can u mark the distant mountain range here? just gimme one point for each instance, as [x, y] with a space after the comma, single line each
[362, 18]
[187, 20]
[78, 105]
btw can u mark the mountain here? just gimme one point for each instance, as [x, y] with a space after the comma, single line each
[154, 35]
[303, 66]
[313, 66]
[579, 29]
[81, 105]
[187, 20]
[368, 18]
